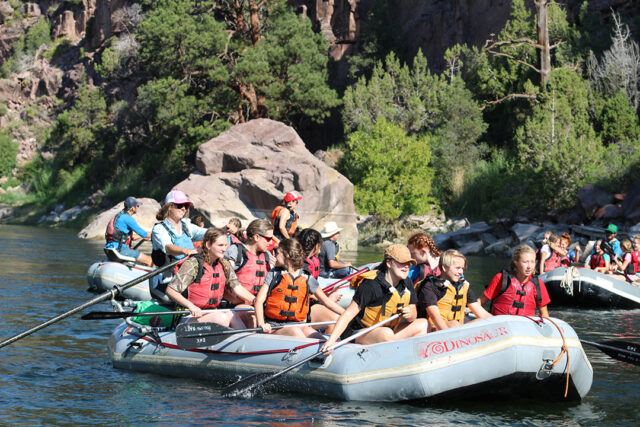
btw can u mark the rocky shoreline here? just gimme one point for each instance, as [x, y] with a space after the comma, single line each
[496, 238]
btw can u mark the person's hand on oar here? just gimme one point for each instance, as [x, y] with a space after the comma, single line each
[266, 328]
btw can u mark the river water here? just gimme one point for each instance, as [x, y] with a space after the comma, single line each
[62, 374]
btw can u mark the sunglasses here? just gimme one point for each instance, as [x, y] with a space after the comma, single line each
[181, 205]
[267, 238]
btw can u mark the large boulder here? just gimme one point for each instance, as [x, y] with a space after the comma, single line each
[592, 197]
[245, 172]
[145, 217]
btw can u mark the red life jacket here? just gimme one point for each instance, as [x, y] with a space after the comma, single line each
[516, 298]
[423, 271]
[312, 266]
[251, 269]
[596, 261]
[632, 268]
[565, 261]
[288, 298]
[554, 261]
[208, 287]
[113, 234]
[233, 239]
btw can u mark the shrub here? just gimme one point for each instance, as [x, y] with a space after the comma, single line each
[389, 170]
[8, 153]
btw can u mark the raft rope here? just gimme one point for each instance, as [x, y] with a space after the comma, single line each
[564, 349]
[202, 350]
[566, 283]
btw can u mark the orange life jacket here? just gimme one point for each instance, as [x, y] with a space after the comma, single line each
[288, 298]
[290, 226]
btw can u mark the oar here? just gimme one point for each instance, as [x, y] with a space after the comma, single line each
[194, 335]
[118, 289]
[100, 315]
[138, 244]
[251, 382]
[332, 287]
[621, 350]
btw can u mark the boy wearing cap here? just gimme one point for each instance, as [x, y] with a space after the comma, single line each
[383, 293]
[330, 264]
[284, 218]
[443, 299]
[610, 233]
[120, 231]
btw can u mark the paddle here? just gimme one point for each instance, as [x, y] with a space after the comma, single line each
[138, 244]
[253, 381]
[100, 315]
[620, 350]
[194, 335]
[118, 289]
[332, 287]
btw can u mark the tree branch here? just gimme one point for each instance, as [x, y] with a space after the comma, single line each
[508, 97]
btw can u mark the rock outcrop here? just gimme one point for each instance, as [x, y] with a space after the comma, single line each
[245, 172]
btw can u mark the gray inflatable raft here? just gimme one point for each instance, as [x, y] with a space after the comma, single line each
[583, 287]
[506, 356]
[103, 276]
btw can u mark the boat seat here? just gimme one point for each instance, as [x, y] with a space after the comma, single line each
[157, 289]
[116, 256]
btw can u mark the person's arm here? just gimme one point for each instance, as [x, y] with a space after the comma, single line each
[434, 315]
[544, 312]
[483, 300]
[283, 217]
[174, 250]
[258, 306]
[181, 281]
[337, 264]
[197, 233]
[343, 321]
[478, 310]
[328, 302]
[133, 225]
[623, 265]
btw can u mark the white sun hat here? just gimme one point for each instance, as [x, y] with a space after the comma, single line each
[330, 228]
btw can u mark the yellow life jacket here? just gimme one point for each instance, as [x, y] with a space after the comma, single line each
[370, 275]
[377, 314]
[453, 302]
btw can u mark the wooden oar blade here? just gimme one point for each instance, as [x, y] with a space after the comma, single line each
[246, 387]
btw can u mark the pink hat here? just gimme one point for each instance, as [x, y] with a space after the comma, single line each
[290, 197]
[177, 197]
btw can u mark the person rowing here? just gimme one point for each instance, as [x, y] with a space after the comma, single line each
[251, 261]
[380, 294]
[285, 296]
[518, 291]
[203, 278]
[121, 229]
[443, 299]
[172, 237]
[330, 265]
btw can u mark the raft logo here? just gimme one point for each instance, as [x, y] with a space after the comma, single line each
[434, 348]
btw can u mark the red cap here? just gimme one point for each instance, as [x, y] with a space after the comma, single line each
[290, 197]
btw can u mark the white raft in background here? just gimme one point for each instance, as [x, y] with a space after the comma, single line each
[104, 275]
[583, 287]
[503, 356]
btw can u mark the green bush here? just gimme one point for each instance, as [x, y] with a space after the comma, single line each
[389, 170]
[37, 35]
[8, 153]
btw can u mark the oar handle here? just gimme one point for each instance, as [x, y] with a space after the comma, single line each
[109, 294]
[332, 287]
[138, 244]
[333, 347]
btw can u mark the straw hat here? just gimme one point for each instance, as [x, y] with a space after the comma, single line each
[400, 253]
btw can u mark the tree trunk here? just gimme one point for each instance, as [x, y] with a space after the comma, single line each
[542, 22]
[255, 22]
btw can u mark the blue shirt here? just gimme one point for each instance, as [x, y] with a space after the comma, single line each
[125, 223]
